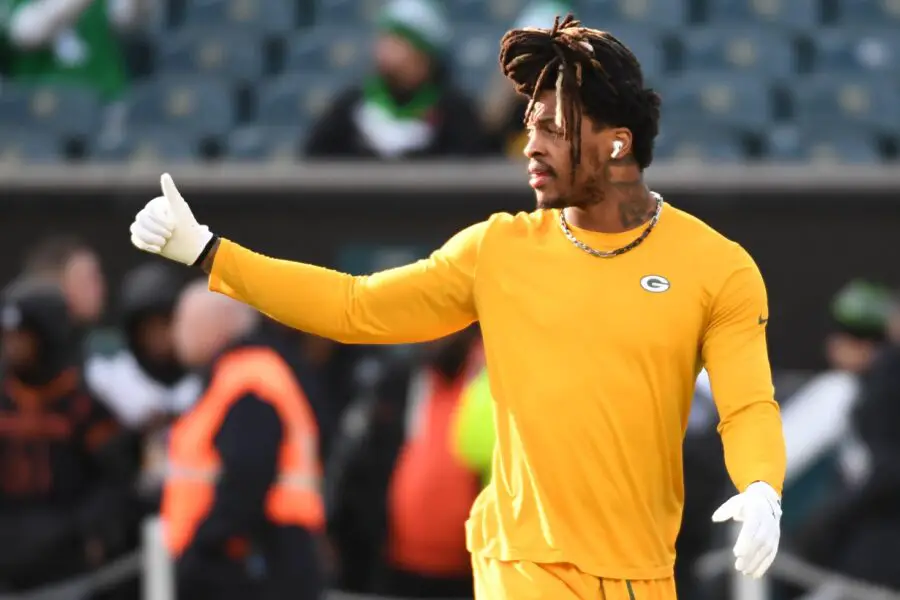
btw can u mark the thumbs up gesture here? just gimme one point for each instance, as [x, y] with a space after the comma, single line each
[167, 227]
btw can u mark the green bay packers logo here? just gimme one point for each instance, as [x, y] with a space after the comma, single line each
[656, 284]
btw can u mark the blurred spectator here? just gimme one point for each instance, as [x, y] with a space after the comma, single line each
[858, 532]
[474, 434]
[143, 383]
[409, 108]
[63, 485]
[817, 417]
[75, 267]
[504, 112]
[334, 364]
[324, 369]
[241, 504]
[394, 458]
[816, 423]
[68, 42]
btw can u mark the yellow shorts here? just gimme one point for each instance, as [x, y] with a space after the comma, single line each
[520, 580]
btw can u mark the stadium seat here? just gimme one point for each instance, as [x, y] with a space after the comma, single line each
[14, 106]
[825, 101]
[306, 13]
[223, 51]
[159, 19]
[869, 12]
[699, 142]
[658, 13]
[822, 144]
[735, 100]
[479, 48]
[193, 104]
[732, 49]
[646, 45]
[341, 12]
[475, 80]
[59, 110]
[477, 51]
[269, 16]
[329, 50]
[484, 12]
[19, 145]
[797, 14]
[296, 99]
[145, 144]
[855, 51]
[256, 143]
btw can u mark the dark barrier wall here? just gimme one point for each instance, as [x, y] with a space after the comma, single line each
[806, 246]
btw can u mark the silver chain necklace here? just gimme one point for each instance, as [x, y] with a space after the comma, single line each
[564, 225]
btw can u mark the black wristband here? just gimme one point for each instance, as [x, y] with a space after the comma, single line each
[206, 250]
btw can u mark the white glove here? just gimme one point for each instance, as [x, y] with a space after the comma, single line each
[166, 226]
[759, 509]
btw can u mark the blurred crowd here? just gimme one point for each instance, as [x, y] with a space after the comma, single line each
[284, 464]
[338, 473]
[263, 80]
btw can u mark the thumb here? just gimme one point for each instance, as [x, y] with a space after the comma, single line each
[171, 193]
[730, 510]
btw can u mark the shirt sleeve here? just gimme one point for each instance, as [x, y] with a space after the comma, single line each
[735, 355]
[426, 300]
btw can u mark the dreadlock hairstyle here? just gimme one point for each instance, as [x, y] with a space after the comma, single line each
[592, 73]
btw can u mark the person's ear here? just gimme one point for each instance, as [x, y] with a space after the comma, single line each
[617, 148]
[620, 144]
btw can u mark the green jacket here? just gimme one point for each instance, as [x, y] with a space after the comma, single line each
[87, 54]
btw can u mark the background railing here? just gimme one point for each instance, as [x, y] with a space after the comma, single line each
[153, 565]
[819, 583]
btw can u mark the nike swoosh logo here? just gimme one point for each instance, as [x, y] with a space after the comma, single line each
[763, 321]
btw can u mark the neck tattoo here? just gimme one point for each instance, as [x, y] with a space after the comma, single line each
[564, 225]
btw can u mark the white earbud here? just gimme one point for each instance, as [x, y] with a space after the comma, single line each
[617, 147]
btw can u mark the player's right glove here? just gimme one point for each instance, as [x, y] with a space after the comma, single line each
[167, 227]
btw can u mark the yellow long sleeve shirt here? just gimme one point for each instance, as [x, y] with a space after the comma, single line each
[592, 366]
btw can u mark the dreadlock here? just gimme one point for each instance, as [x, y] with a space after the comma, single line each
[591, 72]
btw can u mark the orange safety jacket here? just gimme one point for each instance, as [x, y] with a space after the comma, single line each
[431, 491]
[194, 465]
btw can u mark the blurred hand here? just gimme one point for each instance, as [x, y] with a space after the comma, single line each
[167, 227]
[759, 509]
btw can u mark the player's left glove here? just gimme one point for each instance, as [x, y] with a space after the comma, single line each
[759, 509]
